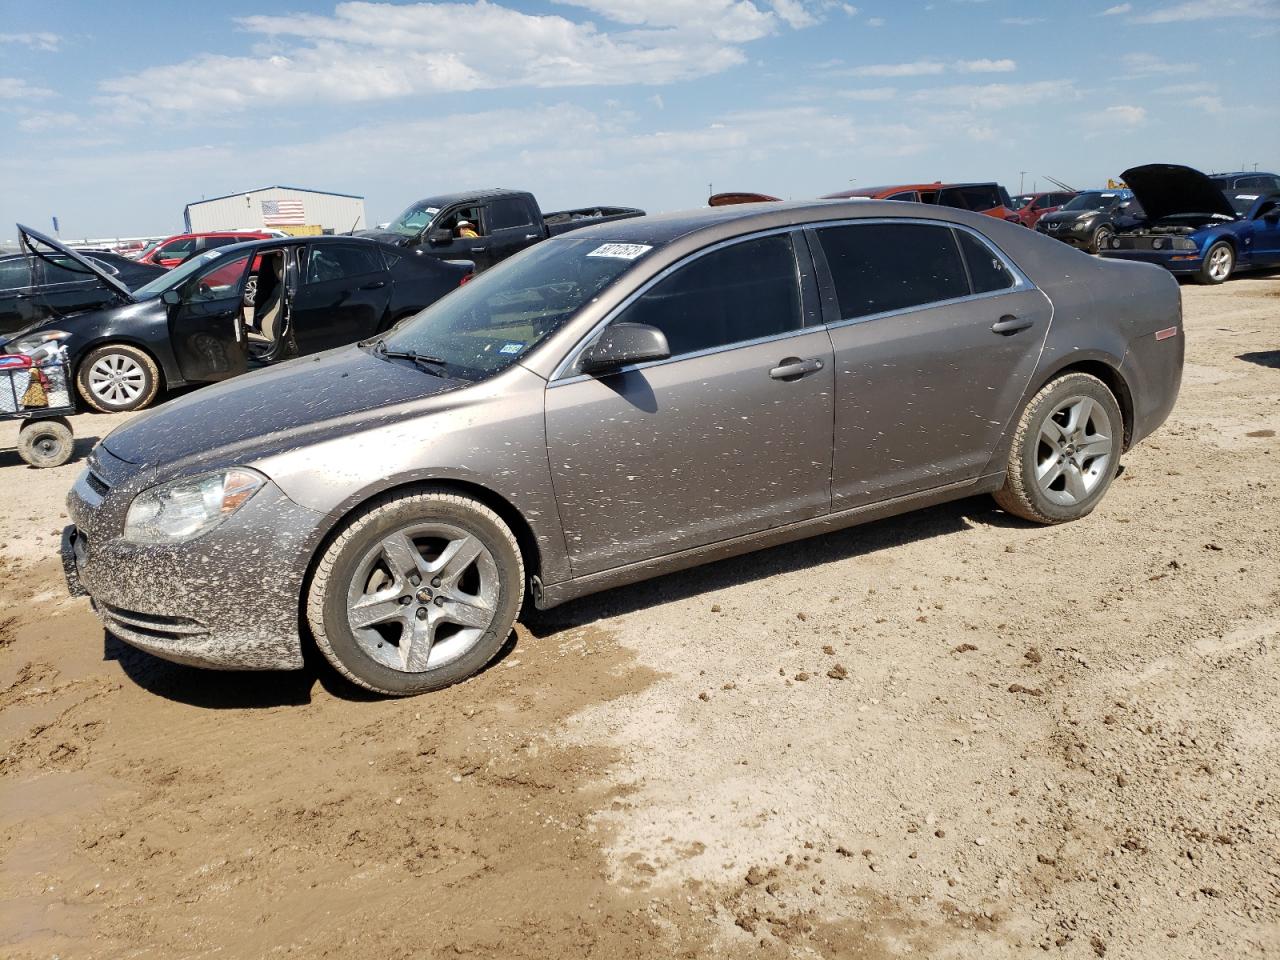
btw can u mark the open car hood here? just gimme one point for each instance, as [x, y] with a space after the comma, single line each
[1167, 189]
[38, 245]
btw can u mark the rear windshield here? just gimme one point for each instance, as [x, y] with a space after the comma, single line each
[485, 326]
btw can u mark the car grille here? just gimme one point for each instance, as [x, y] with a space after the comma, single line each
[150, 626]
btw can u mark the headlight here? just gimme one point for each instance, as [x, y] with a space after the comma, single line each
[186, 509]
[32, 343]
[1084, 223]
[1184, 243]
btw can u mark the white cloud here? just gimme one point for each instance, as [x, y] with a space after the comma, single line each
[1209, 104]
[868, 94]
[1210, 10]
[875, 22]
[369, 51]
[794, 13]
[997, 96]
[1022, 21]
[916, 68]
[47, 120]
[15, 88]
[1115, 11]
[36, 41]
[1149, 65]
[1123, 115]
[986, 66]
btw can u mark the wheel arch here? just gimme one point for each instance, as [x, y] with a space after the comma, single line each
[526, 540]
[111, 340]
[1108, 374]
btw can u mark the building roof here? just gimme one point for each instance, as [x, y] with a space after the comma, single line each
[276, 186]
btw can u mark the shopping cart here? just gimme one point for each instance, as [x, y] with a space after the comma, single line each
[40, 393]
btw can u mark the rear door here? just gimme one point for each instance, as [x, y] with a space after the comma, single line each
[925, 387]
[64, 287]
[343, 296]
[206, 327]
[511, 226]
[729, 436]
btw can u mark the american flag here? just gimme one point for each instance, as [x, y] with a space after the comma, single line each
[282, 213]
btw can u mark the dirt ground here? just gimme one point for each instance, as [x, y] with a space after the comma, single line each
[946, 735]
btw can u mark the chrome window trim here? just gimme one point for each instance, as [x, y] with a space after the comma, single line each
[562, 372]
[1021, 283]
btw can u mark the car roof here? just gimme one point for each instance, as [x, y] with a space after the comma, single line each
[730, 221]
[322, 239]
[446, 199]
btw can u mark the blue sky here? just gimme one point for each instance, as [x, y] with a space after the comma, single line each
[114, 116]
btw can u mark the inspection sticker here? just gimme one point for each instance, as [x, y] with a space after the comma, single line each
[620, 251]
[512, 348]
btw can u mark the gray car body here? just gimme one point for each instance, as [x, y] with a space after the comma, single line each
[602, 483]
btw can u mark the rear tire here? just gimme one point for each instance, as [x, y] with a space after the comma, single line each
[45, 443]
[1065, 452]
[1219, 262]
[416, 593]
[117, 377]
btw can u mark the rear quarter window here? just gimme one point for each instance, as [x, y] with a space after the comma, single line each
[880, 267]
[987, 272]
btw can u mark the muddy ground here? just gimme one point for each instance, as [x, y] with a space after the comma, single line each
[947, 735]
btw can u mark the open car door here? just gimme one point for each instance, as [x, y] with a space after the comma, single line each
[206, 319]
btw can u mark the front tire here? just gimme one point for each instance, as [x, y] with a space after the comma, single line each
[116, 377]
[1065, 451]
[1219, 262]
[416, 593]
[1101, 239]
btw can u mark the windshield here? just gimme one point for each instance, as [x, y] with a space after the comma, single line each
[1017, 203]
[414, 220]
[174, 277]
[1091, 200]
[485, 326]
[1241, 203]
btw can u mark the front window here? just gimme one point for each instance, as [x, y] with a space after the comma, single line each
[1017, 203]
[177, 249]
[414, 220]
[487, 325]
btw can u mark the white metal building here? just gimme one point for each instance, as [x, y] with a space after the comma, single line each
[291, 209]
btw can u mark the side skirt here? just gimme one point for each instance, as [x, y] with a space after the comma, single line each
[546, 596]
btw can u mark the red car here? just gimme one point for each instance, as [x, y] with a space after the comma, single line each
[989, 198]
[1030, 207]
[171, 252]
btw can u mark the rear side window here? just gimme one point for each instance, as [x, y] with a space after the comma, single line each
[508, 212]
[178, 248]
[738, 293]
[14, 273]
[908, 196]
[987, 271]
[971, 198]
[878, 267]
[336, 261]
[211, 242]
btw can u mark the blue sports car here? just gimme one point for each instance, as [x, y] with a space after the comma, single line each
[1194, 227]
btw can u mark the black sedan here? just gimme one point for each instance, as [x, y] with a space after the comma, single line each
[194, 324]
[38, 288]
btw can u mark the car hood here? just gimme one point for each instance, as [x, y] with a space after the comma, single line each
[1167, 189]
[386, 236]
[1068, 216]
[33, 241]
[282, 405]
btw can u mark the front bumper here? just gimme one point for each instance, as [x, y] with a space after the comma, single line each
[1175, 261]
[228, 599]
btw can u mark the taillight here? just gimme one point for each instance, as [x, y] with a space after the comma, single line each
[466, 278]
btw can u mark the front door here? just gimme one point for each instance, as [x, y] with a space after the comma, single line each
[936, 338]
[1266, 234]
[343, 297]
[730, 436]
[206, 326]
[444, 243]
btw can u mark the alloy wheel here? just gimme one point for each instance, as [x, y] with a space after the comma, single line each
[1075, 451]
[422, 596]
[1220, 263]
[117, 379]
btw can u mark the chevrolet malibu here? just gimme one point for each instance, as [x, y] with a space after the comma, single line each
[631, 399]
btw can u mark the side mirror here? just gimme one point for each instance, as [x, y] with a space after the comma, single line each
[171, 297]
[440, 236]
[622, 344]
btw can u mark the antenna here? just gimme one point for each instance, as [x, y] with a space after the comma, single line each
[1060, 185]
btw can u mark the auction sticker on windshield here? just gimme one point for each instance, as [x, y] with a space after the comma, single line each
[620, 251]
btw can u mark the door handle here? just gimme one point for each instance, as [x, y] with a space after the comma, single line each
[793, 368]
[531, 236]
[375, 285]
[1009, 324]
[477, 249]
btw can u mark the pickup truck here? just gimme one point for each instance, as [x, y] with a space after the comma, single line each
[507, 221]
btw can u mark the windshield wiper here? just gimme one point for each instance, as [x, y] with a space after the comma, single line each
[421, 359]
